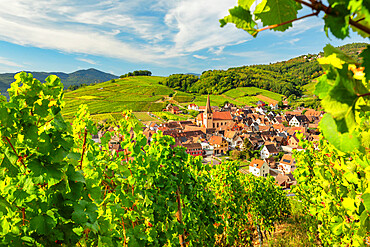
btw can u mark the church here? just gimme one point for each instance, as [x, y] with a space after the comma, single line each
[213, 120]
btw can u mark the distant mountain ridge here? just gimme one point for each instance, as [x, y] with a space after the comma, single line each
[78, 77]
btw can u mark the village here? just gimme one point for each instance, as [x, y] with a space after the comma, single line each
[262, 138]
[267, 137]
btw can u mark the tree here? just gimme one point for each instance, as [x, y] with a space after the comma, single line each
[333, 182]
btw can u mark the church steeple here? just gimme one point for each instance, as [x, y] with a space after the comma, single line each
[208, 115]
[208, 105]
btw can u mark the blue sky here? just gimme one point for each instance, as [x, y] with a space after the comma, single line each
[163, 36]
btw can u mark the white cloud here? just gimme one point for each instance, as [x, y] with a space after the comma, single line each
[137, 31]
[198, 26]
[86, 60]
[217, 50]
[7, 62]
[293, 41]
[200, 57]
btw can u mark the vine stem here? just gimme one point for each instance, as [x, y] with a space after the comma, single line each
[287, 22]
[23, 215]
[45, 122]
[19, 157]
[124, 230]
[319, 6]
[363, 95]
[83, 149]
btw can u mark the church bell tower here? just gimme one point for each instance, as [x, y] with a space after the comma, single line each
[207, 115]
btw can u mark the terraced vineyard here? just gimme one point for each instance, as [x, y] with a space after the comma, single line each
[145, 94]
[138, 94]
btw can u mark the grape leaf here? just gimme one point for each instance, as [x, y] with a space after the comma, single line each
[79, 215]
[42, 224]
[365, 54]
[338, 24]
[330, 50]
[362, 10]
[345, 142]
[9, 162]
[272, 12]
[242, 18]
[366, 198]
[323, 86]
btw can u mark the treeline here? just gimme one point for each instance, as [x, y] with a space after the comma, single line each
[279, 78]
[137, 73]
[286, 77]
[74, 87]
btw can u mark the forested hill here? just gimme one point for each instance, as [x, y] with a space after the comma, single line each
[285, 77]
[79, 77]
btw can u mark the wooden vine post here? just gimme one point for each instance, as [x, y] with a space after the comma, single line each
[179, 217]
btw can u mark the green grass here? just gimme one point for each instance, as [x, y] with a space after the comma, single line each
[138, 94]
[144, 94]
[243, 92]
[144, 116]
[170, 116]
[309, 88]
[294, 231]
[183, 98]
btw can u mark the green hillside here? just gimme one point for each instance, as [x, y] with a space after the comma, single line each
[146, 93]
[79, 77]
[139, 94]
[286, 77]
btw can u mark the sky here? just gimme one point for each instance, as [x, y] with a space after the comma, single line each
[163, 36]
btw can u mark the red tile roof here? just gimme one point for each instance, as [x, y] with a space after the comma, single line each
[215, 140]
[257, 162]
[222, 115]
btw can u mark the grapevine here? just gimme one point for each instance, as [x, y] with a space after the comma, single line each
[333, 175]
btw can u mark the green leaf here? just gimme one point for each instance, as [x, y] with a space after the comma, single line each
[75, 176]
[42, 224]
[346, 142]
[10, 163]
[362, 10]
[242, 18]
[337, 228]
[340, 100]
[365, 54]
[79, 215]
[366, 202]
[323, 86]
[331, 50]
[338, 24]
[272, 12]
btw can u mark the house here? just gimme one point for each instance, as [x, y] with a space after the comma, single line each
[313, 113]
[270, 102]
[260, 110]
[259, 168]
[293, 142]
[194, 149]
[207, 149]
[298, 121]
[269, 150]
[193, 107]
[287, 164]
[219, 144]
[153, 126]
[271, 162]
[285, 180]
[233, 138]
[173, 109]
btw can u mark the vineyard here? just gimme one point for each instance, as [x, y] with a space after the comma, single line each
[58, 187]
